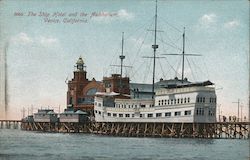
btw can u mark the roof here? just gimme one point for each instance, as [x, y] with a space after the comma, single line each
[205, 83]
[72, 112]
[80, 112]
[51, 112]
[170, 83]
[106, 94]
[80, 61]
[141, 87]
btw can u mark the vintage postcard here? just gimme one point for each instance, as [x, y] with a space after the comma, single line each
[146, 68]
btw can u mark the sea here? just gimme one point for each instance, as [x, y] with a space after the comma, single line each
[16, 144]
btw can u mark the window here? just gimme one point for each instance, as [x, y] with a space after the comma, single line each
[95, 111]
[167, 114]
[120, 115]
[150, 115]
[159, 102]
[127, 115]
[185, 100]
[99, 112]
[188, 99]
[181, 100]
[177, 113]
[158, 114]
[143, 106]
[178, 100]
[174, 101]
[171, 101]
[109, 114]
[133, 115]
[168, 102]
[203, 99]
[140, 115]
[188, 112]
[99, 104]
[165, 102]
[198, 99]
[200, 111]
[162, 102]
[114, 115]
[91, 91]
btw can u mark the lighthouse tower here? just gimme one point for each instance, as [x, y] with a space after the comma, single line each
[81, 91]
[76, 85]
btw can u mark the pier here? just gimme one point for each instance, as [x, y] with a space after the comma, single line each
[227, 130]
[10, 124]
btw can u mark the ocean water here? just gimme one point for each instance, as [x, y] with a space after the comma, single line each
[25, 145]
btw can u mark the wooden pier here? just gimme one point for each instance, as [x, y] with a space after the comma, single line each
[175, 130]
[230, 130]
[62, 127]
[10, 124]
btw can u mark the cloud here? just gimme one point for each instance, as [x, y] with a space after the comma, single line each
[232, 24]
[208, 19]
[24, 39]
[46, 41]
[124, 14]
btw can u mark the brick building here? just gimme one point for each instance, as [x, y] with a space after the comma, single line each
[81, 91]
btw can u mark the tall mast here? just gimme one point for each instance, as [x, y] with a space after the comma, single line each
[154, 46]
[122, 57]
[183, 53]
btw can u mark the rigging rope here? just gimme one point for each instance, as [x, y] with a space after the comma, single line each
[191, 69]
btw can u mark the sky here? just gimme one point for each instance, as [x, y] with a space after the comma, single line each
[45, 38]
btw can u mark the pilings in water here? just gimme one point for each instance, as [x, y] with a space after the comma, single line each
[10, 124]
[63, 127]
[175, 130]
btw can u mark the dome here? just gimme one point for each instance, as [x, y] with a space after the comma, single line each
[80, 61]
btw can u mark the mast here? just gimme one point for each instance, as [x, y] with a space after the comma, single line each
[154, 46]
[122, 57]
[183, 56]
[183, 53]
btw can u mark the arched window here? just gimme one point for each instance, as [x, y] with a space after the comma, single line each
[91, 91]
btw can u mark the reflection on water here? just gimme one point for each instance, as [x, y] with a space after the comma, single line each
[16, 144]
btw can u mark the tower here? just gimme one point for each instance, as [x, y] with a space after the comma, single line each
[81, 91]
[76, 85]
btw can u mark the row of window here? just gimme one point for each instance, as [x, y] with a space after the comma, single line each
[132, 105]
[200, 112]
[203, 100]
[149, 115]
[173, 101]
[127, 105]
